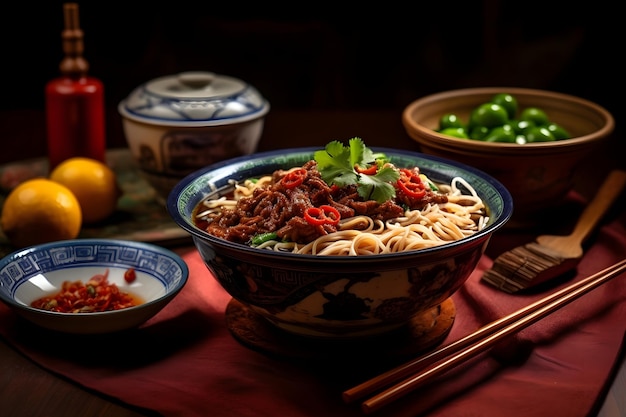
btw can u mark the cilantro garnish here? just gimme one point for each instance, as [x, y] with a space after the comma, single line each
[336, 163]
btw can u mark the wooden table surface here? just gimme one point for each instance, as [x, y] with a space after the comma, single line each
[28, 390]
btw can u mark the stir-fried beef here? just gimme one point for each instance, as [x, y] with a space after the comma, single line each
[420, 203]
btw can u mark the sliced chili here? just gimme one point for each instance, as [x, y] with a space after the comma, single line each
[321, 215]
[367, 171]
[411, 184]
[294, 178]
[96, 295]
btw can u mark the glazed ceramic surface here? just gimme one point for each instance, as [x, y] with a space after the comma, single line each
[40, 271]
[194, 99]
[177, 124]
[538, 175]
[336, 296]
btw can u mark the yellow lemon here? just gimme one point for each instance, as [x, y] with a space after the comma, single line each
[40, 211]
[93, 183]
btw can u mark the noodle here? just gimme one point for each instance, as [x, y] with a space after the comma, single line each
[462, 215]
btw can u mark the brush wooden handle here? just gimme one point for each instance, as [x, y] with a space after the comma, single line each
[570, 246]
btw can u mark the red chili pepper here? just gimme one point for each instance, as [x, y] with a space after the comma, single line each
[294, 178]
[130, 275]
[95, 295]
[367, 171]
[318, 216]
[411, 184]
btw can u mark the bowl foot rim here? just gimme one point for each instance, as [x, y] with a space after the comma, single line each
[422, 333]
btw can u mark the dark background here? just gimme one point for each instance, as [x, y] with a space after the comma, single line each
[321, 55]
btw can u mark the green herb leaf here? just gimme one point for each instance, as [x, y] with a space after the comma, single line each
[337, 162]
[334, 164]
[359, 153]
[378, 187]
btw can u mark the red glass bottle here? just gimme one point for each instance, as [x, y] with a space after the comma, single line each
[75, 113]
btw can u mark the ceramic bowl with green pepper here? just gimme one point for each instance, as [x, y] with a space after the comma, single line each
[532, 140]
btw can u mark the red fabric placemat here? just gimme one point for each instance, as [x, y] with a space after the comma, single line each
[185, 362]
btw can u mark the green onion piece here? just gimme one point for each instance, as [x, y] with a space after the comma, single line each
[263, 237]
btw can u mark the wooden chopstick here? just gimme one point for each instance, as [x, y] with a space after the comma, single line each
[405, 377]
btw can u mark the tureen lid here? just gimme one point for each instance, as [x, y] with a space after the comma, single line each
[194, 98]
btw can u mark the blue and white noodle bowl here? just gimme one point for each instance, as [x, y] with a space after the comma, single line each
[337, 296]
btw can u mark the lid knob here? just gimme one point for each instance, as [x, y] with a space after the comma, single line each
[196, 79]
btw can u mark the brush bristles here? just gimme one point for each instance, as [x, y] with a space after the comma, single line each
[516, 269]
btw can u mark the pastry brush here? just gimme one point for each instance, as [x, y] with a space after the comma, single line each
[551, 256]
